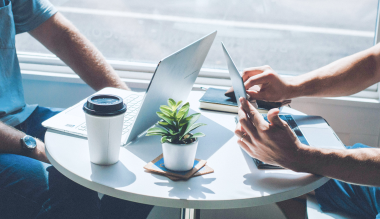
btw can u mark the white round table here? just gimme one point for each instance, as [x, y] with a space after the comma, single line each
[236, 182]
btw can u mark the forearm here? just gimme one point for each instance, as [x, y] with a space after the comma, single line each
[10, 139]
[63, 39]
[357, 166]
[344, 77]
[10, 143]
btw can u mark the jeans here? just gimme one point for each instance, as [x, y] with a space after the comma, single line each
[33, 189]
[359, 201]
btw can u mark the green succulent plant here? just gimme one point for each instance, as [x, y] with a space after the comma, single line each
[175, 126]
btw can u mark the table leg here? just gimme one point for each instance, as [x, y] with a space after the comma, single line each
[189, 213]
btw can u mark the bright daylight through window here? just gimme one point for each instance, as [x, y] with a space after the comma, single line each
[292, 36]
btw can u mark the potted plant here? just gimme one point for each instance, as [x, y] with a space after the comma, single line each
[179, 145]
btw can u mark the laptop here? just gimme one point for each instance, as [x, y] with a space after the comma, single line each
[310, 130]
[173, 78]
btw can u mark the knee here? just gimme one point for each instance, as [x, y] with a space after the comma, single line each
[19, 169]
[21, 163]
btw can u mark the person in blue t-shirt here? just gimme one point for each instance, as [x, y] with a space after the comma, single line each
[29, 186]
[355, 187]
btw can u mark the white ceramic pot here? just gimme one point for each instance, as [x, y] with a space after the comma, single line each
[179, 157]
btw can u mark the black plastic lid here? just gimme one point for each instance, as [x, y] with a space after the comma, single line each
[104, 105]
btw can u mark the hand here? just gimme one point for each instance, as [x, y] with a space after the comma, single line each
[273, 143]
[263, 83]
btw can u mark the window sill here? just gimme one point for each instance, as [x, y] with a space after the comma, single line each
[342, 101]
[200, 84]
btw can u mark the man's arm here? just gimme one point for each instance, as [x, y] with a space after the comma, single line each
[357, 166]
[10, 143]
[64, 40]
[276, 144]
[346, 76]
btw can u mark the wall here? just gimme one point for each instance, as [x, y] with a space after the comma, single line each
[55, 94]
[353, 122]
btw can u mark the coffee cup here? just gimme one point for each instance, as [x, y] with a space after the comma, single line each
[104, 121]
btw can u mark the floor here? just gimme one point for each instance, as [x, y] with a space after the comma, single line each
[261, 212]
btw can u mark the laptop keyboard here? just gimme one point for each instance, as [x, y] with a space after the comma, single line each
[133, 102]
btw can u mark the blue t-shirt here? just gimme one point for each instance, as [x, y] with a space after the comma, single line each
[17, 16]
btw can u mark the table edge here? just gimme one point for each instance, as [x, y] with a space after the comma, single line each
[184, 203]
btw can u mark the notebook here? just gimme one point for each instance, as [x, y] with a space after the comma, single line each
[214, 99]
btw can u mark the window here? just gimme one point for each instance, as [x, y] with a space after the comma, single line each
[292, 36]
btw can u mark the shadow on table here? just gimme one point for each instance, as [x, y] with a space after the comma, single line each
[149, 147]
[185, 190]
[271, 180]
[116, 175]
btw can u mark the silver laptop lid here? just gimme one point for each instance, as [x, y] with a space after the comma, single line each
[174, 78]
[237, 80]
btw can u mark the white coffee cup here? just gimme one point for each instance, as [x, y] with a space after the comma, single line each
[104, 121]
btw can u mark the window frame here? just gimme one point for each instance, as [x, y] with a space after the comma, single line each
[377, 39]
[35, 65]
[140, 72]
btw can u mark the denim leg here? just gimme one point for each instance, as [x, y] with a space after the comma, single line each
[361, 201]
[67, 198]
[114, 208]
[33, 189]
[32, 126]
[23, 186]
